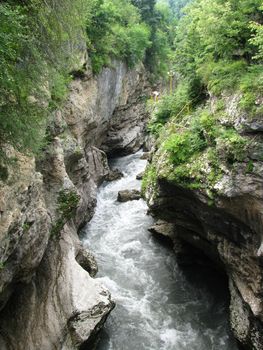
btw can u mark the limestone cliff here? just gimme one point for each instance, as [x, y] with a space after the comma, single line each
[222, 219]
[48, 300]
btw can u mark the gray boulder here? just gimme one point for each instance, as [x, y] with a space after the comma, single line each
[114, 175]
[128, 195]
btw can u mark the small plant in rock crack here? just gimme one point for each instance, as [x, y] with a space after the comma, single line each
[67, 205]
[26, 227]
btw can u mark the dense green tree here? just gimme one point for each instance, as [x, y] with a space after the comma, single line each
[116, 30]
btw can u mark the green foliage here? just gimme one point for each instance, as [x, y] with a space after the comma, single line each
[161, 22]
[183, 144]
[38, 42]
[218, 52]
[177, 105]
[3, 173]
[149, 179]
[250, 166]
[26, 227]
[216, 42]
[19, 83]
[197, 145]
[116, 30]
[67, 206]
[41, 43]
[231, 146]
[257, 40]
[177, 6]
[251, 86]
[222, 75]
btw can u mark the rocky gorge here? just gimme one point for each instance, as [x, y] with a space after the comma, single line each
[221, 220]
[49, 299]
[85, 85]
[47, 276]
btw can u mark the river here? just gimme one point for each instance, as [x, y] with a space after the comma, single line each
[159, 306]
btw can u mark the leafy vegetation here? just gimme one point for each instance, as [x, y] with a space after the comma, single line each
[197, 149]
[149, 178]
[116, 30]
[37, 50]
[218, 53]
[217, 42]
[41, 43]
[67, 206]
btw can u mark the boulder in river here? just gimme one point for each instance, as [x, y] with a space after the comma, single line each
[128, 195]
[114, 174]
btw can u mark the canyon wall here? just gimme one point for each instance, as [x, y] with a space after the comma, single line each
[223, 221]
[49, 298]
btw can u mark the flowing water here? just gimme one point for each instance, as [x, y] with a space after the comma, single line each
[159, 307]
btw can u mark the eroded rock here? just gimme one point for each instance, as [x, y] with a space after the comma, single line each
[223, 220]
[87, 261]
[163, 230]
[62, 305]
[48, 300]
[114, 175]
[128, 195]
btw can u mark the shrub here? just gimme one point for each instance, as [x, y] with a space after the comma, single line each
[251, 86]
[222, 75]
[183, 145]
[231, 146]
[67, 206]
[175, 105]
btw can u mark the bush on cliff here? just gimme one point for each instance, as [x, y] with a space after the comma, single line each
[37, 48]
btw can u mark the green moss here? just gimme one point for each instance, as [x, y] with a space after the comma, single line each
[57, 227]
[202, 170]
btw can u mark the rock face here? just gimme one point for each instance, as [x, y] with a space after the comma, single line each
[163, 230]
[48, 298]
[128, 195]
[227, 228]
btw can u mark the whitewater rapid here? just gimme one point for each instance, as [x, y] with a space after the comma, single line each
[158, 306]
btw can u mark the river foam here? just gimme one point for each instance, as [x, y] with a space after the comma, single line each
[158, 307]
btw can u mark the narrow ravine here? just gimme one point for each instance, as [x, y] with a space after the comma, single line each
[158, 305]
